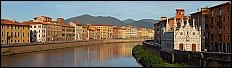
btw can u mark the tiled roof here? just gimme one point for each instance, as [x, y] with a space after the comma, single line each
[222, 4]
[101, 25]
[9, 22]
[117, 28]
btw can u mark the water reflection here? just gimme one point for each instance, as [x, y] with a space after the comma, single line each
[106, 55]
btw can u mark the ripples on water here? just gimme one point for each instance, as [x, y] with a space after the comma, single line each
[104, 55]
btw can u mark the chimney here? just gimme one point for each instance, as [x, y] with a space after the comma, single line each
[13, 20]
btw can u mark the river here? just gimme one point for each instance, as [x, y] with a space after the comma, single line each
[104, 55]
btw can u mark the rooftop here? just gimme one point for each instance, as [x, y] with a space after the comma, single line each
[10, 22]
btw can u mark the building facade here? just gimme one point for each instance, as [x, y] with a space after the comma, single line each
[117, 32]
[37, 31]
[186, 37]
[129, 32]
[175, 33]
[13, 32]
[105, 31]
[201, 18]
[220, 28]
[78, 30]
[68, 33]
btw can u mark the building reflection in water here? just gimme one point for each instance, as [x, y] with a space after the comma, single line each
[110, 55]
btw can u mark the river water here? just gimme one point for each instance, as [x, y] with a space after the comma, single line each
[104, 55]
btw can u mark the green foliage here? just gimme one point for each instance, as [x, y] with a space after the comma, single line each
[148, 59]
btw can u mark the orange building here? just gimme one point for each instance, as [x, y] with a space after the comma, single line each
[220, 30]
[117, 31]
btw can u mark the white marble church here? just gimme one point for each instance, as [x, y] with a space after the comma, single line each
[183, 37]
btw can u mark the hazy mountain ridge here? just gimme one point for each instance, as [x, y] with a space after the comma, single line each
[88, 19]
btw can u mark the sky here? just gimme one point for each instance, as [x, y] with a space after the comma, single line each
[27, 10]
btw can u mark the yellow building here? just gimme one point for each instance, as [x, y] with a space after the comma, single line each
[13, 32]
[144, 33]
[90, 32]
[68, 33]
[85, 33]
[125, 33]
[150, 33]
[105, 31]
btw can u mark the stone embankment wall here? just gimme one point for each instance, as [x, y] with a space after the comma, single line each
[27, 48]
[216, 59]
[201, 59]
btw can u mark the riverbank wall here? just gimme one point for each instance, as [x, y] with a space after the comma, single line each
[27, 48]
[198, 59]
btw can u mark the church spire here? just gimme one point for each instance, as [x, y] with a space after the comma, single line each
[193, 22]
[167, 25]
[182, 22]
[187, 21]
[175, 24]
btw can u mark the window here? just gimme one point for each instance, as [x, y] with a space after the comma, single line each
[7, 27]
[228, 37]
[18, 40]
[193, 33]
[18, 27]
[212, 13]
[39, 26]
[23, 27]
[181, 33]
[224, 37]
[223, 19]
[39, 35]
[23, 40]
[15, 27]
[34, 26]
[220, 12]
[7, 33]
[228, 10]
[15, 34]
[228, 18]
[15, 40]
[39, 31]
